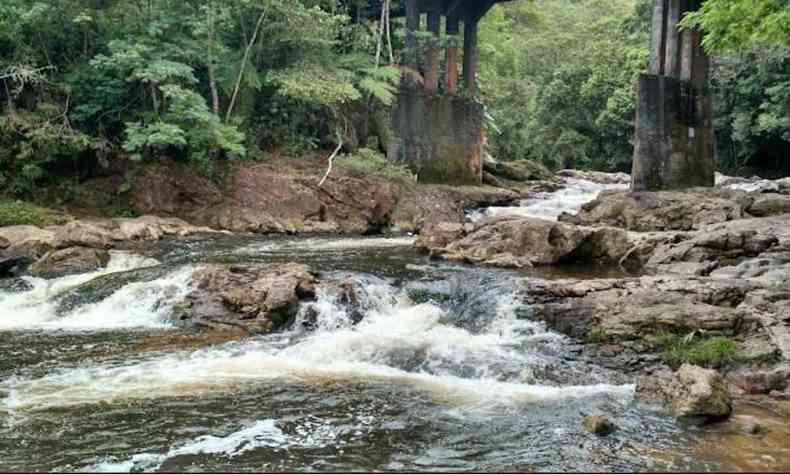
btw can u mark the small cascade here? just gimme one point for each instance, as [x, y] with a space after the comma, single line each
[140, 304]
[397, 342]
[570, 199]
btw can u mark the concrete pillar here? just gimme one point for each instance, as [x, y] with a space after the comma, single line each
[674, 145]
[412, 25]
[470, 54]
[432, 59]
[658, 37]
[451, 75]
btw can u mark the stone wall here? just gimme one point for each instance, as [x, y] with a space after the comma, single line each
[439, 137]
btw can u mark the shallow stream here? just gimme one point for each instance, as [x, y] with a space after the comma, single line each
[446, 371]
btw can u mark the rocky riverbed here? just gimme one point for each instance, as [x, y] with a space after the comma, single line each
[633, 330]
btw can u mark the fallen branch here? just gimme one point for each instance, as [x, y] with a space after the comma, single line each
[243, 66]
[332, 158]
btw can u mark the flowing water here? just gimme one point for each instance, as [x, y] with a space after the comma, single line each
[445, 371]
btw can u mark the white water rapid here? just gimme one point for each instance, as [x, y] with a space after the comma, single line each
[570, 199]
[139, 304]
[398, 342]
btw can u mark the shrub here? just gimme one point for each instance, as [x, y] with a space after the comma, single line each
[367, 162]
[23, 213]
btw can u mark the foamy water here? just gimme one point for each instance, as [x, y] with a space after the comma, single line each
[399, 342]
[142, 304]
[570, 199]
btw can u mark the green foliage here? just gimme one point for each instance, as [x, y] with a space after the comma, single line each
[559, 80]
[752, 109]
[739, 24]
[697, 349]
[366, 162]
[23, 213]
[597, 336]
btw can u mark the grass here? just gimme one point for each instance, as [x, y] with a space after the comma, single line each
[694, 348]
[14, 212]
[597, 336]
[366, 162]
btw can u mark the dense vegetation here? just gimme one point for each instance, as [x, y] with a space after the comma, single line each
[83, 83]
[559, 80]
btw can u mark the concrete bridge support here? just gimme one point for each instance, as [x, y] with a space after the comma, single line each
[438, 131]
[674, 146]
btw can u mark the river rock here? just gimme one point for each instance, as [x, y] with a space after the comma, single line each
[431, 204]
[259, 298]
[70, 261]
[770, 205]
[522, 242]
[519, 170]
[690, 393]
[28, 240]
[599, 425]
[4, 243]
[662, 211]
[11, 265]
[630, 308]
[84, 234]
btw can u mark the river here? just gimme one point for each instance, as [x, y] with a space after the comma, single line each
[446, 371]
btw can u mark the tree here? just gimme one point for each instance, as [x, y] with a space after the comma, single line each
[741, 24]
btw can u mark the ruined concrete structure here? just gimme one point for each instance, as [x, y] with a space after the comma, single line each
[437, 131]
[674, 146]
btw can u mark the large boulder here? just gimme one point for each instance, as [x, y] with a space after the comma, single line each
[756, 247]
[70, 261]
[522, 242]
[519, 170]
[28, 239]
[662, 211]
[631, 309]
[770, 205]
[691, 393]
[257, 298]
[432, 204]
[84, 234]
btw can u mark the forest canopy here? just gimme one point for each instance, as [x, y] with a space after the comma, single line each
[84, 82]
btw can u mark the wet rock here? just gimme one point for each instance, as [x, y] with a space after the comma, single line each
[14, 285]
[70, 261]
[523, 242]
[690, 393]
[519, 170]
[599, 425]
[104, 286]
[437, 236]
[4, 243]
[426, 205]
[259, 298]
[11, 265]
[662, 211]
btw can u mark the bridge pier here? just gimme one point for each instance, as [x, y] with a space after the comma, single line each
[438, 132]
[674, 143]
